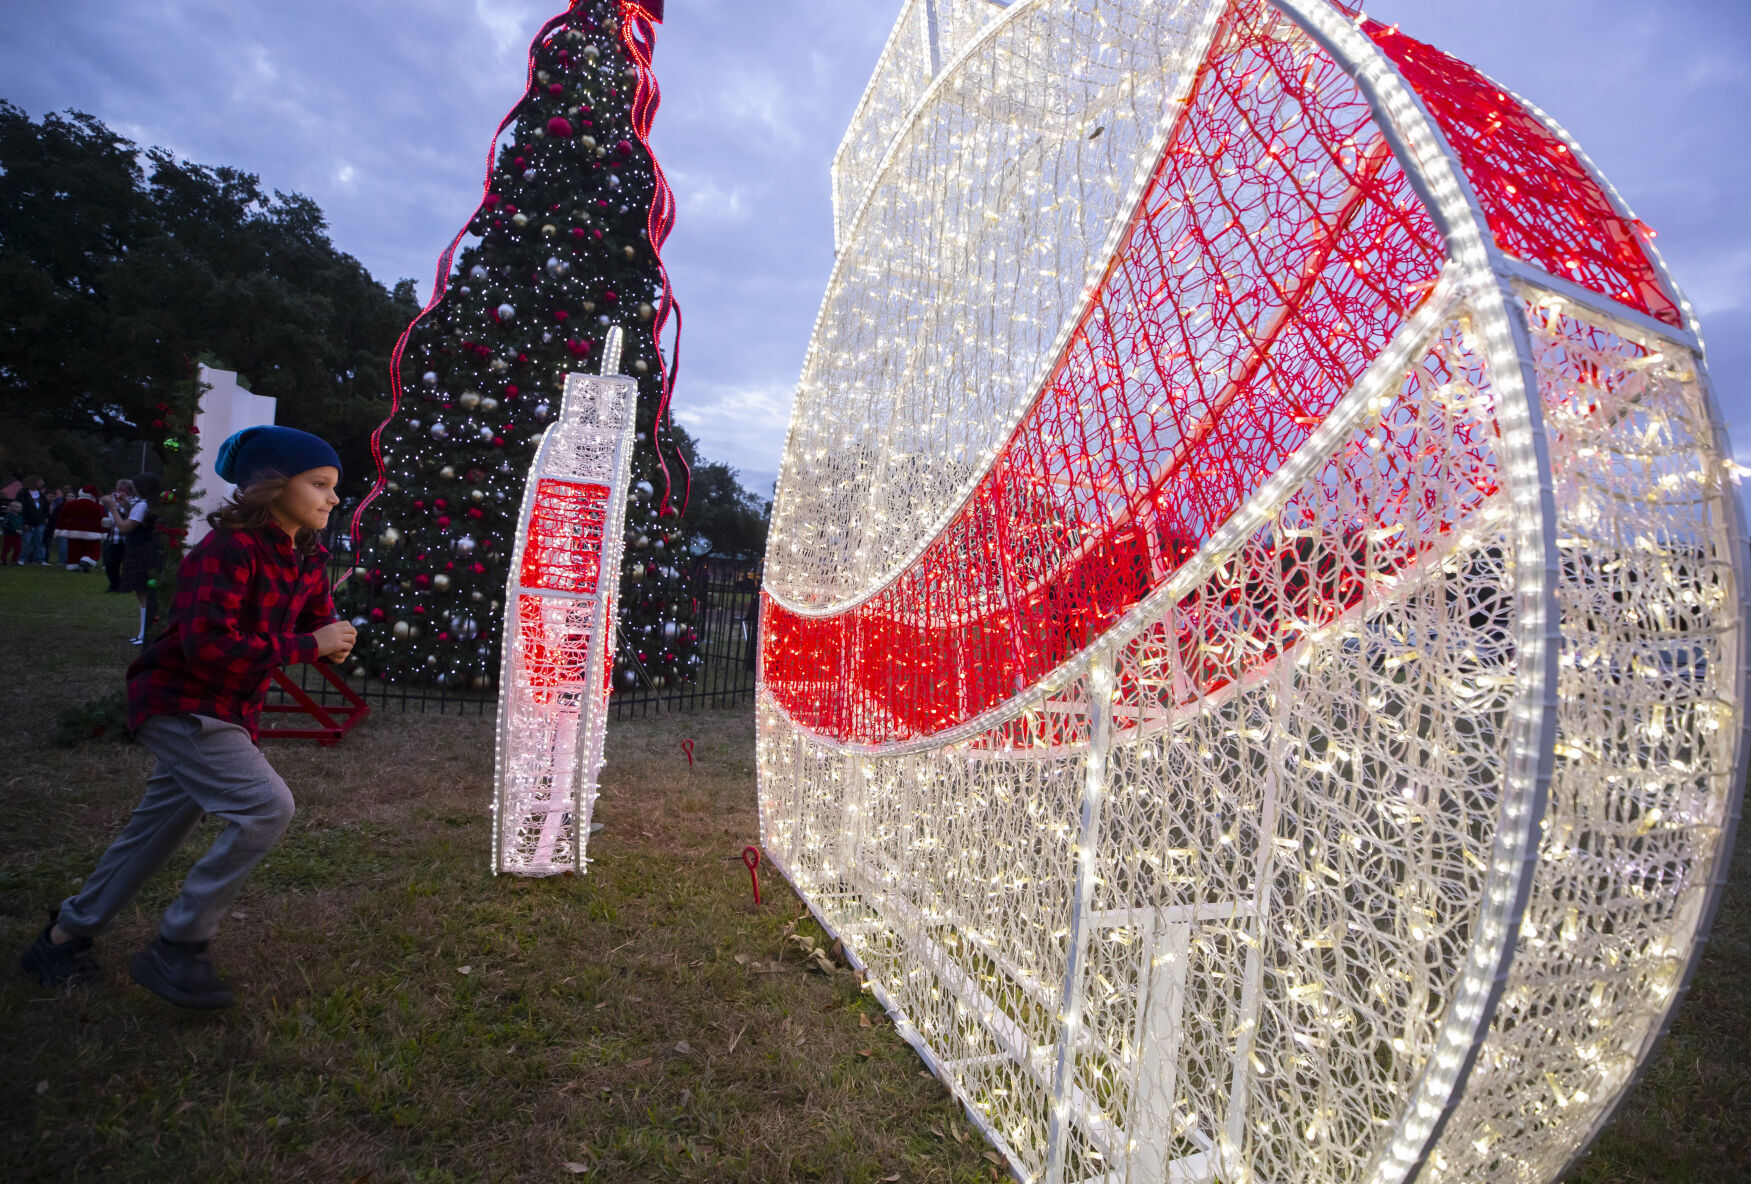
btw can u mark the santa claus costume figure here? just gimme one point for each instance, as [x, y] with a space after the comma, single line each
[81, 524]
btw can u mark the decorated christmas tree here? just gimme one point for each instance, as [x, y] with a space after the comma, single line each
[565, 244]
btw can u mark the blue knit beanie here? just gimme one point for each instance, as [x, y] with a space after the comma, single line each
[253, 453]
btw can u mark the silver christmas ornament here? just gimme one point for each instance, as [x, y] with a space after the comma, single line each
[506, 312]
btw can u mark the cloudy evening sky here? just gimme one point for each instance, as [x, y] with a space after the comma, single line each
[381, 110]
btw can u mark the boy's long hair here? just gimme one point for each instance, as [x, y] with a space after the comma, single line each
[250, 507]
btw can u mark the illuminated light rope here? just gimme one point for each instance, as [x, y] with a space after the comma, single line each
[1248, 871]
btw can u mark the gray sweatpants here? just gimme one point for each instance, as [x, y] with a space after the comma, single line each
[205, 766]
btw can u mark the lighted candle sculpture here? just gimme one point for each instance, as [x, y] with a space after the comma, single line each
[559, 626]
[1253, 644]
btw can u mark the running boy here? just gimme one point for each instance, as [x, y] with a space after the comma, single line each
[251, 596]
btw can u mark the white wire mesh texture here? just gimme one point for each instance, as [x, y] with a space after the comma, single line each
[559, 621]
[1253, 655]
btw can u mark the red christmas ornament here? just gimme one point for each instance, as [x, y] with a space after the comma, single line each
[610, 297]
[440, 503]
[624, 148]
[578, 232]
[377, 614]
[420, 581]
[559, 127]
[511, 391]
[578, 347]
[554, 89]
[443, 521]
[490, 200]
[480, 570]
[498, 441]
[520, 162]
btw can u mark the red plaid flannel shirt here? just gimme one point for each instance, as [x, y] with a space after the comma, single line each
[246, 602]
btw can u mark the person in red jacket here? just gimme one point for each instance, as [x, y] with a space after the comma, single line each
[251, 596]
[81, 523]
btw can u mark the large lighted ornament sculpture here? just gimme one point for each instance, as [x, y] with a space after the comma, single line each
[1253, 643]
[559, 626]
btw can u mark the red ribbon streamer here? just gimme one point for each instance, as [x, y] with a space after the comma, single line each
[751, 857]
[687, 747]
[640, 40]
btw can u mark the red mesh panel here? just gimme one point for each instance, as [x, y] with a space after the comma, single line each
[1543, 206]
[564, 549]
[1277, 249]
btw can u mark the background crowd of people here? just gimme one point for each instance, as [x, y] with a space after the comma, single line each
[83, 530]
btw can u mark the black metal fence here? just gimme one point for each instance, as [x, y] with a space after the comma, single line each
[726, 600]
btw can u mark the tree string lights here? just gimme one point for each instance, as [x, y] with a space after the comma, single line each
[566, 241]
[1253, 635]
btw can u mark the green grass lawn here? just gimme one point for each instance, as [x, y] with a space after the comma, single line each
[404, 1016]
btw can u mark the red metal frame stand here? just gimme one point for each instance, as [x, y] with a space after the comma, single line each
[332, 725]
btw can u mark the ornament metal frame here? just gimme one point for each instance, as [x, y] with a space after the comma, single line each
[1366, 827]
[559, 626]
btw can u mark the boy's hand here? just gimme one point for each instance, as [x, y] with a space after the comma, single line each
[335, 640]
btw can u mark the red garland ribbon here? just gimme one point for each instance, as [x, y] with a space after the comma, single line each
[640, 42]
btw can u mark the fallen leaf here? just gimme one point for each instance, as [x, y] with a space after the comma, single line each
[601, 1005]
[742, 959]
[736, 1039]
[464, 969]
[863, 1021]
[929, 1075]
[994, 1158]
[634, 999]
[890, 1179]
[683, 1048]
[42, 1087]
[240, 916]
[187, 1106]
[866, 1052]
[577, 1169]
[639, 1064]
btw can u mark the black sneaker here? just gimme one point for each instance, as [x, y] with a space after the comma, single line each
[180, 973]
[56, 966]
